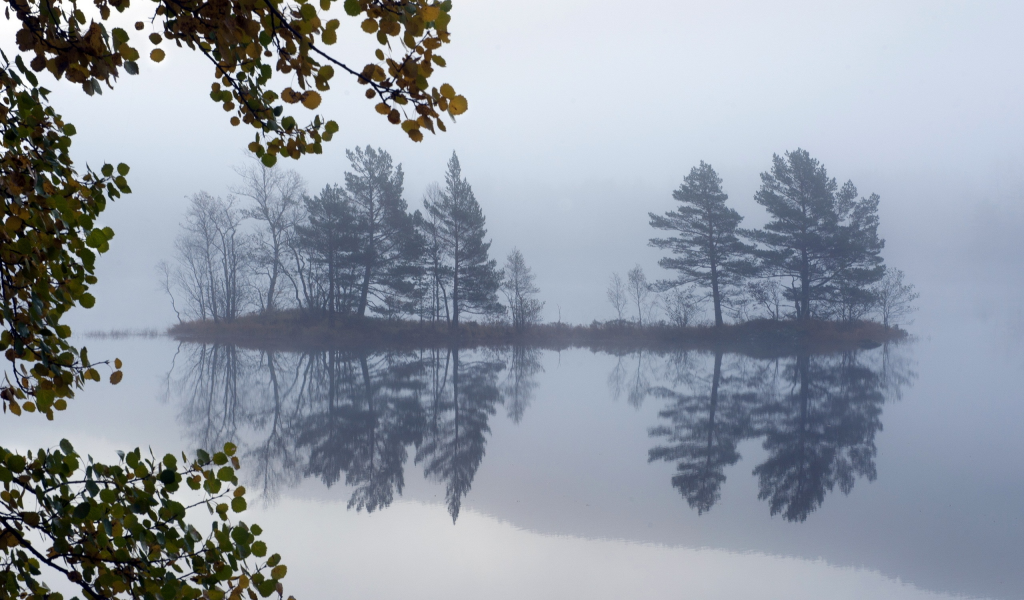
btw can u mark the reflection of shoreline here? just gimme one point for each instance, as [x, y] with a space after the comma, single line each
[290, 331]
[359, 418]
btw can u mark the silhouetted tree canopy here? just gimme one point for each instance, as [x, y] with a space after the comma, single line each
[460, 227]
[820, 236]
[706, 248]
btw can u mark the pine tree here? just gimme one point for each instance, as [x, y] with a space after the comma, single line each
[820, 235]
[328, 239]
[461, 229]
[388, 245]
[707, 250]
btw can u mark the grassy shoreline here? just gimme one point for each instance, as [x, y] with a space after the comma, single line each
[293, 331]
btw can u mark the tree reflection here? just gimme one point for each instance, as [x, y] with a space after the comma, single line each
[520, 383]
[360, 418]
[362, 415]
[350, 416]
[704, 429]
[455, 436]
[821, 434]
[631, 377]
[818, 416]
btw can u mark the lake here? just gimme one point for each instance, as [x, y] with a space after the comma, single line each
[893, 472]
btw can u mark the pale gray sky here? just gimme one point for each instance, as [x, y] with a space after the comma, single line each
[584, 116]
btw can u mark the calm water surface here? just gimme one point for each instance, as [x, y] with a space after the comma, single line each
[887, 473]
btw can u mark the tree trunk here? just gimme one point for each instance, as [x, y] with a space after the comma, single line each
[716, 296]
[455, 287]
[364, 291]
[804, 313]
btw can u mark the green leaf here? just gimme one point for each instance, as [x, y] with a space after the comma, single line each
[238, 504]
[82, 510]
[353, 7]
[266, 588]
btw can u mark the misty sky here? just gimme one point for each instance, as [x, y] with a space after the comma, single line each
[584, 116]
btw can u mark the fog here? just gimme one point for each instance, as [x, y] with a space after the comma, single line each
[585, 116]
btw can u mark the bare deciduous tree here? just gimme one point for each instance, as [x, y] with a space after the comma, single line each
[639, 291]
[894, 298]
[277, 196]
[682, 305]
[213, 260]
[519, 288]
[617, 295]
[768, 294]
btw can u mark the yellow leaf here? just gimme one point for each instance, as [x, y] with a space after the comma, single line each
[117, 363]
[447, 91]
[311, 100]
[115, 377]
[458, 105]
[382, 108]
[431, 13]
[369, 26]
[156, 55]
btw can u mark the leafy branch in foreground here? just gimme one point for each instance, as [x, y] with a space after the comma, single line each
[118, 531]
[247, 42]
[49, 241]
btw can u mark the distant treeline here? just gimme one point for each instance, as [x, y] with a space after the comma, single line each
[352, 250]
[356, 250]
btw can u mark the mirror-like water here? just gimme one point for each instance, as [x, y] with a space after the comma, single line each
[885, 473]
[363, 419]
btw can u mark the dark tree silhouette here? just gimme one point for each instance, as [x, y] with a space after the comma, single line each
[388, 246]
[820, 235]
[328, 239]
[707, 250]
[460, 226]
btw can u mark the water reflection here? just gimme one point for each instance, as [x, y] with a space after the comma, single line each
[818, 416]
[704, 425]
[357, 417]
[330, 415]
